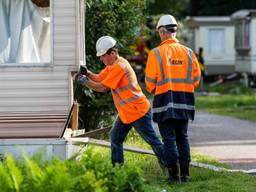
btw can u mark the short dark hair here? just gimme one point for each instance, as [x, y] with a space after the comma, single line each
[112, 49]
[171, 28]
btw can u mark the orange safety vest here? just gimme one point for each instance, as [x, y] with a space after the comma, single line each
[173, 73]
[128, 97]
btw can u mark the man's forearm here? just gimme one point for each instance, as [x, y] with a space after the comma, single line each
[96, 86]
[93, 76]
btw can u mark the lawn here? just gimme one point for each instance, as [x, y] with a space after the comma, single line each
[234, 100]
[202, 180]
[239, 106]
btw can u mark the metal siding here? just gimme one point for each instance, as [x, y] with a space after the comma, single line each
[36, 108]
[33, 92]
[65, 33]
[26, 89]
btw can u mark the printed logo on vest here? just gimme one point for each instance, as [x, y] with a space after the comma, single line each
[174, 61]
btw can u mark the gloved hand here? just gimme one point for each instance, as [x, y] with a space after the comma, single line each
[82, 79]
[83, 70]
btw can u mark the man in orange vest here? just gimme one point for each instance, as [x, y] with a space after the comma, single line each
[132, 105]
[172, 74]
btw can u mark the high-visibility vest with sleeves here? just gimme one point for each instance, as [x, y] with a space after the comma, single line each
[128, 97]
[172, 73]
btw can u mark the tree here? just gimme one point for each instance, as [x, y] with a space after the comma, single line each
[116, 18]
[218, 7]
[179, 9]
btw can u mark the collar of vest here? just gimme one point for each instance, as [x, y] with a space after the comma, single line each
[168, 41]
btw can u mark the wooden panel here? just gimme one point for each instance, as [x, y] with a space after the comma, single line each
[74, 117]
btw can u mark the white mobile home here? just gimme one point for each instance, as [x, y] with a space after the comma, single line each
[41, 44]
[215, 34]
[245, 38]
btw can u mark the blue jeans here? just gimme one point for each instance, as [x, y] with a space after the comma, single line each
[144, 127]
[175, 139]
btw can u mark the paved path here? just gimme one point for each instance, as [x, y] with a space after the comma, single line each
[230, 140]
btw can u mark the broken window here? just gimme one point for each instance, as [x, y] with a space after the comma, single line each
[25, 31]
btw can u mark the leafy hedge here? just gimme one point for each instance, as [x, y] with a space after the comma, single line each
[122, 20]
[92, 173]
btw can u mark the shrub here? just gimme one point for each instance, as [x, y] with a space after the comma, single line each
[120, 19]
[90, 173]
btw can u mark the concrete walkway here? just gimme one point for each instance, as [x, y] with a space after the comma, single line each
[227, 139]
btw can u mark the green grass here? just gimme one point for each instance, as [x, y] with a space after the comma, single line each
[135, 140]
[202, 180]
[239, 104]
[235, 88]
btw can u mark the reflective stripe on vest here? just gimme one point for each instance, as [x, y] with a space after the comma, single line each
[131, 85]
[164, 80]
[173, 105]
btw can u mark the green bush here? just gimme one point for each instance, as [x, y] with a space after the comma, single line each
[90, 173]
[120, 19]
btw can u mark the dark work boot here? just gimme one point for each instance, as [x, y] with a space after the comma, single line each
[184, 171]
[173, 171]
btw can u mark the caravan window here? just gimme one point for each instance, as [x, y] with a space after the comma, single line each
[242, 37]
[216, 41]
[25, 31]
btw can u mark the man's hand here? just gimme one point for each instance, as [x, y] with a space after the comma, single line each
[83, 79]
[83, 70]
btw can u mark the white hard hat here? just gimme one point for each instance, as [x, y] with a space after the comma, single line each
[103, 44]
[166, 20]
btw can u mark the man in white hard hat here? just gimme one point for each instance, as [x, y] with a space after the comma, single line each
[132, 105]
[172, 74]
